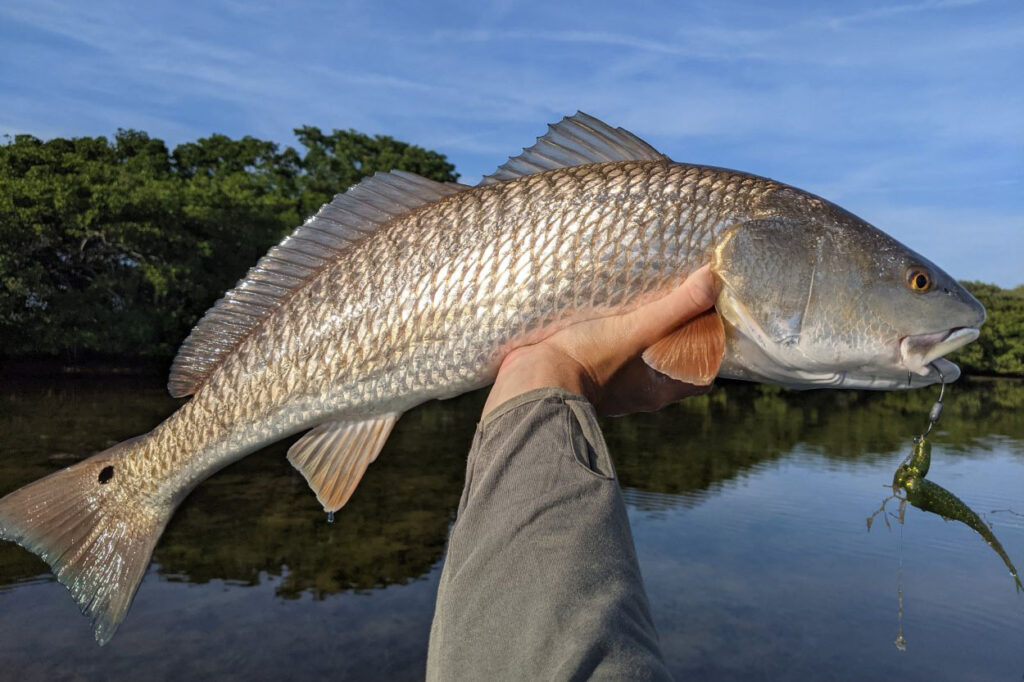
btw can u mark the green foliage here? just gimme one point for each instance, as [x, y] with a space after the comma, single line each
[87, 226]
[1000, 348]
[344, 157]
[116, 247]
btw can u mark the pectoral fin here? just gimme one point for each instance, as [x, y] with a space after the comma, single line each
[334, 456]
[693, 353]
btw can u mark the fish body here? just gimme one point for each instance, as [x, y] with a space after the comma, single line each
[539, 254]
[404, 290]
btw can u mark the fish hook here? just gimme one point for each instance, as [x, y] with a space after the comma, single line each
[936, 411]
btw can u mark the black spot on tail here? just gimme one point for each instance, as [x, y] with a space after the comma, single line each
[106, 473]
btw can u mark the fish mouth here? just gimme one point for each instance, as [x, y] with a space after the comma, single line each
[922, 353]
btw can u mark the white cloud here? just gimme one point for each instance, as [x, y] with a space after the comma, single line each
[888, 11]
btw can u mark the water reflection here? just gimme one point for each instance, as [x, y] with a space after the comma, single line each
[747, 507]
[688, 450]
[258, 520]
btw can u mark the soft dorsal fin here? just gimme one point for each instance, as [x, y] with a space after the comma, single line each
[334, 456]
[293, 263]
[693, 353]
[575, 141]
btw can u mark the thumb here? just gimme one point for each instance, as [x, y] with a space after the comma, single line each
[652, 322]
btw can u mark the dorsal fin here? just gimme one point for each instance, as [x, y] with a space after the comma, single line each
[293, 263]
[334, 456]
[575, 141]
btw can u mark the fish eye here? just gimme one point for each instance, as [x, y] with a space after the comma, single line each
[918, 280]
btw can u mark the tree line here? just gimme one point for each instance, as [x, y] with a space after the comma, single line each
[1000, 348]
[113, 248]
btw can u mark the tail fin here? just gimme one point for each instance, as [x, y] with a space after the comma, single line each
[87, 524]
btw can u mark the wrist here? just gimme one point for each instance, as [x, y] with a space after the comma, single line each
[532, 367]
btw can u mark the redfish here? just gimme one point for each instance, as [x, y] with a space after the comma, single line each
[403, 290]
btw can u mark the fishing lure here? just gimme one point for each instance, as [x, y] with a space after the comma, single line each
[932, 497]
[910, 485]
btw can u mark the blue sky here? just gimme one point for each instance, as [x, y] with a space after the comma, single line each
[910, 114]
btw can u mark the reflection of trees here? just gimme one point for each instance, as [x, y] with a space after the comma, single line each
[703, 441]
[257, 518]
[48, 425]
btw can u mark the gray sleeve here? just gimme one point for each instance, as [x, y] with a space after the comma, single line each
[541, 579]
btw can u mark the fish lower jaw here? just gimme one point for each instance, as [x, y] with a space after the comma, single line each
[919, 353]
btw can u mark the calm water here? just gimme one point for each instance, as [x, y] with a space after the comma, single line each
[748, 508]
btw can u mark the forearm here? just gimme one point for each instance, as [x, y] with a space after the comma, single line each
[541, 578]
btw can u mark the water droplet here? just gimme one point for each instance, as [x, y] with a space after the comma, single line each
[330, 517]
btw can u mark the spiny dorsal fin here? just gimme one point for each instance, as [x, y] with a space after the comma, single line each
[334, 456]
[293, 263]
[575, 141]
[693, 353]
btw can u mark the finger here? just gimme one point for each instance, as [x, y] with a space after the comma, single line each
[653, 321]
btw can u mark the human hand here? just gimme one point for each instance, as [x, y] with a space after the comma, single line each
[601, 359]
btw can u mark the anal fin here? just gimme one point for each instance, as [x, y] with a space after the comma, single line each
[693, 353]
[334, 456]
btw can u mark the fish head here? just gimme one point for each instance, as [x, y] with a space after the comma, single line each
[813, 296]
